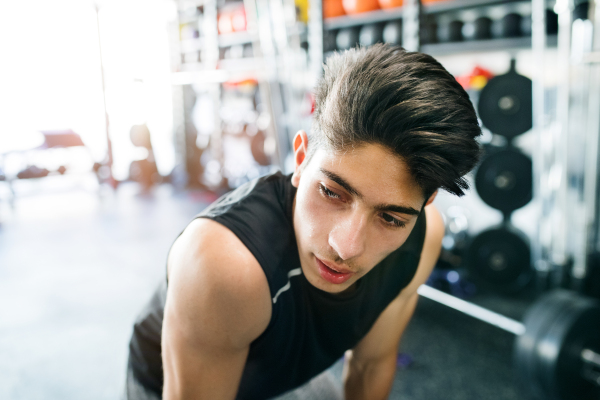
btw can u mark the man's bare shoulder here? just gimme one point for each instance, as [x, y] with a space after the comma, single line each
[214, 279]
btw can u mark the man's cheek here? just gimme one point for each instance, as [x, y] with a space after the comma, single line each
[316, 219]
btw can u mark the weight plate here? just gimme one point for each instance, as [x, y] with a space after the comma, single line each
[505, 104]
[537, 320]
[504, 180]
[500, 258]
[561, 367]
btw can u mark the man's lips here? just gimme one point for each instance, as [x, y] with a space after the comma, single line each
[333, 273]
[336, 268]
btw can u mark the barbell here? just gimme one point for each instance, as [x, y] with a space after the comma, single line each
[556, 353]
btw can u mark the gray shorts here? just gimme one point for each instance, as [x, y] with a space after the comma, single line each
[322, 387]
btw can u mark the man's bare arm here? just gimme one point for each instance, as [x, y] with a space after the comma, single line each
[371, 366]
[218, 302]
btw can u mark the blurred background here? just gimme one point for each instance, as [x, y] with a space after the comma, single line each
[121, 120]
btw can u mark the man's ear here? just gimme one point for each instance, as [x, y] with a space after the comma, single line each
[431, 198]
[300, 152]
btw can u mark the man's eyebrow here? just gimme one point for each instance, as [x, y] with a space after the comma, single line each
[398, 209]
[342, 182]
[380, 207]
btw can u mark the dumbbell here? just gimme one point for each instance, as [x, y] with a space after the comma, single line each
[429, 31]
[507, 27]
[329, 40]
[581, 10]
[450, 32]
[556, 353]
[392, 32]
[480, 29]
[347, 38]
[370, 34]
[551, 24]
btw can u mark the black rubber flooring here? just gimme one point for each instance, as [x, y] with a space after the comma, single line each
[455, 358]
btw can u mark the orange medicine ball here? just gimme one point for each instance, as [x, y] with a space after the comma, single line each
[360, 6]
[385, 4]
[333, 8]
[238, 19]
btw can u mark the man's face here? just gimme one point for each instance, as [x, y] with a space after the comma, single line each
[351, 210]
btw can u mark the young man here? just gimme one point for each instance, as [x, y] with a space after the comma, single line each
[273, 283]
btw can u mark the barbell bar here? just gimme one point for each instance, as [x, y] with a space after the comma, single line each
[556, 352]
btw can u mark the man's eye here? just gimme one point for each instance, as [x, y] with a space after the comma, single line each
[328, 192]
[393, 222]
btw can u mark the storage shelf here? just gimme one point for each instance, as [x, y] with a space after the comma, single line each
[188, 19]
[245, 37]
[192, 45]
[194, 66]
[477, 46]
[453, 5]
[186, 4]
[206, 76]
[244, 64]
[347, 21]
[236, 38]
[227, 69]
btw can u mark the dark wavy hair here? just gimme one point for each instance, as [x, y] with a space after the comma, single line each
[405, 101]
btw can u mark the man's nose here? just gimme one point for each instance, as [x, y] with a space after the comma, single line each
[348, 238]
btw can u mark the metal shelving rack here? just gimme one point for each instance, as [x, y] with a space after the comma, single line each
[277, 64]
[479, 46]
[419, 12]
[346, 21]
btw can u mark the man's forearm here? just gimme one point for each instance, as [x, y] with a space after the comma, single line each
[369, 380]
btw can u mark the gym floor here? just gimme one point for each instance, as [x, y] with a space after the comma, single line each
[76, 267]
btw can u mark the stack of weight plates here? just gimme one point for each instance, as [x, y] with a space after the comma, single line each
[500, 256]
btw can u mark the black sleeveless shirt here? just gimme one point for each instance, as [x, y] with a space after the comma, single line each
[309, 329]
